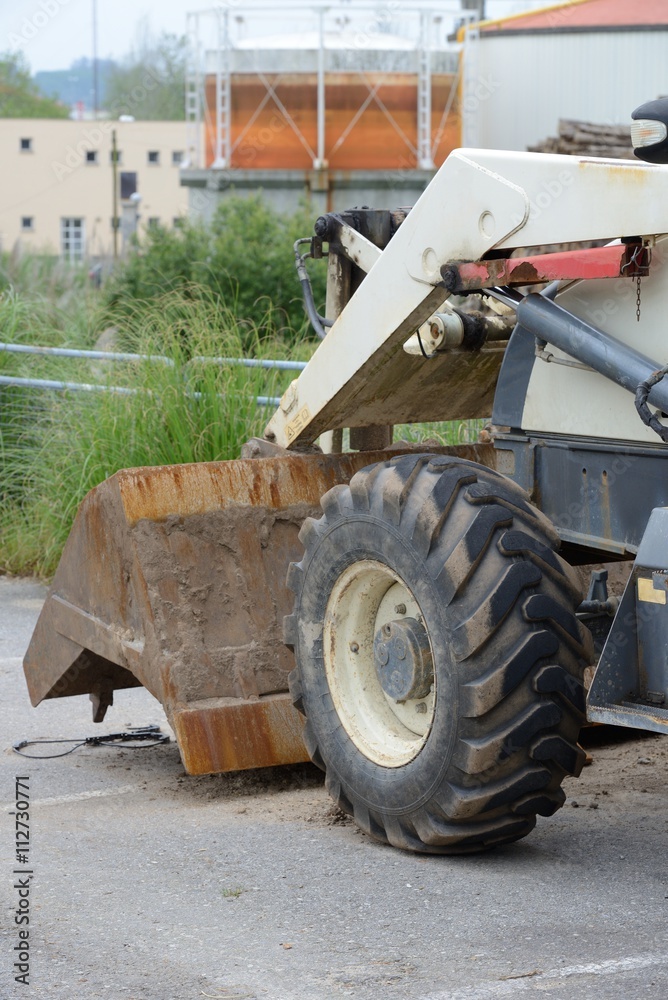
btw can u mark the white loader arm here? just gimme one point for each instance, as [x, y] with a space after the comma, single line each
[478, 201]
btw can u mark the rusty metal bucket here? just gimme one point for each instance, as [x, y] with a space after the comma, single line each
[174, 578]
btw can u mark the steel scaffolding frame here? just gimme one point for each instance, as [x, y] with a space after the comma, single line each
[425, 13]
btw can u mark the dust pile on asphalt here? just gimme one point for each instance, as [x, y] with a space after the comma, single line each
[290, 793]
[627, 771]
[294, 792]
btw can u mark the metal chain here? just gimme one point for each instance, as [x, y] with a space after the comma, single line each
[638, 299]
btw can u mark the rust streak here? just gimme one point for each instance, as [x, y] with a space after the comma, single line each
[240, 735]
[274, 483]
[595, 262]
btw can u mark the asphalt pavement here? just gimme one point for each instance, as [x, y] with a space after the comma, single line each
[145, 884]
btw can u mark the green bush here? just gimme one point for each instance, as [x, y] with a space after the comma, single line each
[244, 257]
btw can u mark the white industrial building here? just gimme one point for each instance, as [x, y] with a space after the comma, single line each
[594, 60]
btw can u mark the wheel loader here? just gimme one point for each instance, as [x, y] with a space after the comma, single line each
[412, 618]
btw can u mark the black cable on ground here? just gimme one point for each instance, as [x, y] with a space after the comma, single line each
[145, 736]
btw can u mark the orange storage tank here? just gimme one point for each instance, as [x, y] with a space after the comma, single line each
[370, 120]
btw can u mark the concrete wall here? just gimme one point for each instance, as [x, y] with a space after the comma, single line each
[54, 180]
[323, 191]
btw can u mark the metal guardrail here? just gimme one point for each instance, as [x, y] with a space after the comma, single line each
[71, 352]
[287, 366]
[49, 383]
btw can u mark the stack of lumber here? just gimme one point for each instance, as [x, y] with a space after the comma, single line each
[588, 139]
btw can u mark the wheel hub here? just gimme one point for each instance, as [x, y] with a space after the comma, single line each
[367, 597]
[402, 657]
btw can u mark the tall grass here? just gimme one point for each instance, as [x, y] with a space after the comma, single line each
[44, 300]
[54, 447]
[445, 432]
[40, 273]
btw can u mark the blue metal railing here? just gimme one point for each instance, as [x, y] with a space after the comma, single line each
[71, 352]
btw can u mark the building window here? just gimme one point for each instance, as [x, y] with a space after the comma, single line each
[153, 222]
[27, 223]
[118, 156]
[91, 156]
[25, 145]
[128, 184]
[72, 234]
[177, 157]
[178, 221]
[153, 157]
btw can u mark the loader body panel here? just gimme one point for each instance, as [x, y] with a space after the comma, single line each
[479, 201]
[630, 686]
[548, 397]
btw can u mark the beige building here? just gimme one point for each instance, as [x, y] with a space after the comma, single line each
[56, 183]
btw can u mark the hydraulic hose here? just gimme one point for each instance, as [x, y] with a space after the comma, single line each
[318, 322]
[613, 359]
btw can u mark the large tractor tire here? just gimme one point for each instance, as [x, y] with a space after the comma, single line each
[439, 658]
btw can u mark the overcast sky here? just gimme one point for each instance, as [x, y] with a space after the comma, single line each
[52, 33]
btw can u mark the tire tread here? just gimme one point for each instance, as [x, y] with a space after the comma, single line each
[520, 648]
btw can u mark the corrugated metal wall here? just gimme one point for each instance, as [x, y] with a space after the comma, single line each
[522, 84]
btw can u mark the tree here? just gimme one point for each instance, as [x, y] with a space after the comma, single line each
[244, 256]
[149, 83]
[20, 97]
[74, 86]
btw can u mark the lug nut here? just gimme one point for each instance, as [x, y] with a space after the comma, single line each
[400, 609]
[354, 648]
[421, 709]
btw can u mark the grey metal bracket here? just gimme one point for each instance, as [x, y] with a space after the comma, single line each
[630, 686]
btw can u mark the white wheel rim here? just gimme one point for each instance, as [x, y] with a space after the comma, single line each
[365, 597]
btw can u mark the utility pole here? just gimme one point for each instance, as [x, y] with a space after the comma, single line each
[95, 80]
[320, 159]
[114, 199]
